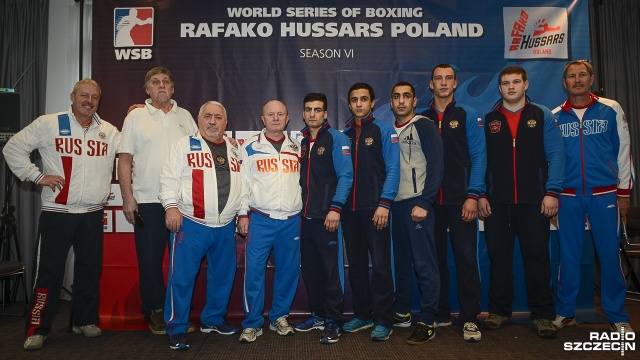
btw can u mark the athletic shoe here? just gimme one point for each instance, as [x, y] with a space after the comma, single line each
[445, 322]
[87, 330]
[330, 333]
[544, 328]
[311, 323]
[156, 322]
[190, 329]
[470, 332]
[421, 334]
[562, 321]
[34, 342]
[495, 321]
[178, 342]
[621, 327]
[381, 333]
[356, 324]
[400, 320]
[281, 326]
[250, 335]
[223, 329]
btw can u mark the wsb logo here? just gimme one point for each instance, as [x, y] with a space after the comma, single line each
[133, 29]
[614, 341]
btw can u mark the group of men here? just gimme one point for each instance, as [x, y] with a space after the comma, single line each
[429, 178]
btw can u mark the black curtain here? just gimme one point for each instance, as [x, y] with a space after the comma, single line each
[615, 50]
[24, 31]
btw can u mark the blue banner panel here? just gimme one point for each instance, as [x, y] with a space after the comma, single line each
[244, 53]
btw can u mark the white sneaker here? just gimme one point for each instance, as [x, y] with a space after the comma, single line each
[89, 331]
[250, 335]
[562, 321]
[621, 327]
[281, 326]
[471, 332]
[34, 342]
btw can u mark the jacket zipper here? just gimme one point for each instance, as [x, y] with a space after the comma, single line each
[515, 178]
[306, 203]
[355, 173]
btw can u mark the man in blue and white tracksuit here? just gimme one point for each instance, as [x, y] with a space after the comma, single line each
[200, 189]
[326, 176]
[269, 216]
[598, 181]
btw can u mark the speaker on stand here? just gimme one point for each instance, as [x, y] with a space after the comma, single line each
[9, 246]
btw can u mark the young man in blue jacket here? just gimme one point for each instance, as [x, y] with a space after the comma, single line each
[365, 219]
[326, 175]
[421, 170]
[456, 206]
[525, 170]
[598, 181]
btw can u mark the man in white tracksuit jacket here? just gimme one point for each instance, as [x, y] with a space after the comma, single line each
[78, 151]
[271, 199]
[200, 190]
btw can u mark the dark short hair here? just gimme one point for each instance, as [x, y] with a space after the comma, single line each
[586, 64]
[512, 70]
[404, 83]
[444, 66]
[358, 86]
[315, 97]
[156, 71]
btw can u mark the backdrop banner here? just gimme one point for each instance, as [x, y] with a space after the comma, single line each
[246, 52]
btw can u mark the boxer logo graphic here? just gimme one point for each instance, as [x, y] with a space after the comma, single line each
[133, 29]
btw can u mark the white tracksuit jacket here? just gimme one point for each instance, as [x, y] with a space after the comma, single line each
[84, 160]
[270, 180]
[188, 182]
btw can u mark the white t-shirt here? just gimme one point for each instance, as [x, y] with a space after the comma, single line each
[148, 134]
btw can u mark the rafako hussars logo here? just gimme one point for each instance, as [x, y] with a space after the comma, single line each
[535, 32]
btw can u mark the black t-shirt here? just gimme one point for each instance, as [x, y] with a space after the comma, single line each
[223, 173]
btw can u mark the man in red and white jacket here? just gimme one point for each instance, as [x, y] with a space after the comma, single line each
[200, 189]
[78, 151]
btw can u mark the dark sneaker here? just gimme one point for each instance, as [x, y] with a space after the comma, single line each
[421, 334]
[356, 324]
[250, 335]
[621, 327]
[471, 332]
[223, 328]
[381, 333]
[156, 322]
[544, 328]
[281, 326]
[87, 330]
[562, 321]
[34, 342]
[495, 321]
[400, 320]
[330, 333]
[445, 322]
[311, 323]
[178, 342]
